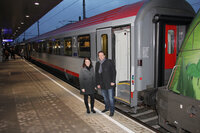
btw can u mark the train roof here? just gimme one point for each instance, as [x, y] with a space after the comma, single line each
[118, 13]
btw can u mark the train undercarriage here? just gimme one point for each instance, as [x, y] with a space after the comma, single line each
[178, 113]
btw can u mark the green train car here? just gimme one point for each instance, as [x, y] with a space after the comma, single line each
[178, 103]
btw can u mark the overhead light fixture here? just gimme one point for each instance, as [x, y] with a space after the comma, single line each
[27, 16]
[18, 27]
[7, 40]
[37, 3]
[22, 22]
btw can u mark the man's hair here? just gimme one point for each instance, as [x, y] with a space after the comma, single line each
[101, 52]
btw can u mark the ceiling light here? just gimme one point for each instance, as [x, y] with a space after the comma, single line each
[22, 22]
[18, 27]
[27, 16]
[37, 3]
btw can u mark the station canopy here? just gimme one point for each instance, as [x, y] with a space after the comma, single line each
[16, 16]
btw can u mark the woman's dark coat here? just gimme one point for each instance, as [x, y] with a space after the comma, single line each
[107, 76]
[87, 80]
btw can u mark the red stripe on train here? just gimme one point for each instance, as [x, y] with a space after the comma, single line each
[56, 67]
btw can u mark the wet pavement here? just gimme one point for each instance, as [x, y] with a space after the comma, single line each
[34, 101]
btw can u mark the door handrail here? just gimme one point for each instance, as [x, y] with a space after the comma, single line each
[171, 75]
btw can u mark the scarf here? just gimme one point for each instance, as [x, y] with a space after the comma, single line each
[100, 67]
[88, 68]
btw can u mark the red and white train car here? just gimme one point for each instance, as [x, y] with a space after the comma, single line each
[143, 39]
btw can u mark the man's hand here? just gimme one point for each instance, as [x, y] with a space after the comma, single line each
[112, 84]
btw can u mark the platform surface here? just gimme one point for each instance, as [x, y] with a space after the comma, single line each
[34, 101]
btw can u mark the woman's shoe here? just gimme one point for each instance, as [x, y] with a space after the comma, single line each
[88, 111]
[93, 111]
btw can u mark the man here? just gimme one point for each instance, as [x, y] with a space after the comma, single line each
[105, 79]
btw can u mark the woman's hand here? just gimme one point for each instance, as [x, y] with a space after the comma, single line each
[83, 90]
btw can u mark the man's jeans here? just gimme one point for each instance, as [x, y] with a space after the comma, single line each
[108, 95]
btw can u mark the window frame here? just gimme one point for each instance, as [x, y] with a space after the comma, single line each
[171, 43]
[70, 50]
[57, 49]
[79, 51]
[102, 44]
[50, 42]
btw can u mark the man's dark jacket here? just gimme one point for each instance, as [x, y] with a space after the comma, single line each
[107, 76]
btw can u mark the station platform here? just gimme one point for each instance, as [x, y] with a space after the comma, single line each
[34, 101]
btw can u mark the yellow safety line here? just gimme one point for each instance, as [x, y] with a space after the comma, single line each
[122, 100]
[123, 83]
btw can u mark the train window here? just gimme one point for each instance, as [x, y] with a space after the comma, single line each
[40, 47]
[68, 46]
[50, 47]
[36, 46]
[44, 47]
[57, 47]
[104, 44]
[196, 44]
[84, 46]
[171, 42]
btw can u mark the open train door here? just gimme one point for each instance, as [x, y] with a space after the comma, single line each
[122, 61]
[119, 51]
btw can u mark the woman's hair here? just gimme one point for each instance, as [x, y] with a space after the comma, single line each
[86, 58]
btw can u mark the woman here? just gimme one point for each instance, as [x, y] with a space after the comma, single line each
[87, 83]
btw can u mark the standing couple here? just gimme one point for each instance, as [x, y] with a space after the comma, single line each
[103, 78]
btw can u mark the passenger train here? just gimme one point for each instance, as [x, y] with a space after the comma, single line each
[143, 39]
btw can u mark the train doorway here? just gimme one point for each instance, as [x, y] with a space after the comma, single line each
[169, 35]
[122, 62]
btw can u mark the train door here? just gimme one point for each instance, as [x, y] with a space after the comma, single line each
[104, 42]
[122, 61]
[170, 49]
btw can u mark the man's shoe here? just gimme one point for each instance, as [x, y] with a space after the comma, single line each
[111, 114]
[105, 110]
[93, 111]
